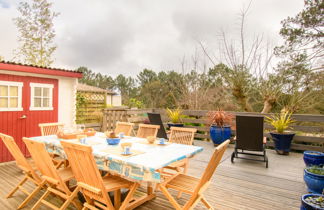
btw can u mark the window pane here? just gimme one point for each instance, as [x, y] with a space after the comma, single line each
[4, 102]
[14, 91]
[38, 91]
[45, 102]
[3, 90]
[37, 102]
[46, 92]
[13, 102]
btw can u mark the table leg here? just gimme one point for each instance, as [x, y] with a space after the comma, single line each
[117, 199]
[139, 201]
[150, 188]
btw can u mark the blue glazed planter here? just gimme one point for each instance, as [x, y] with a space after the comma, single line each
[282, 141]
[313, 158]
[175, 125]
[314, 182]
[220, 134]
[307, 206]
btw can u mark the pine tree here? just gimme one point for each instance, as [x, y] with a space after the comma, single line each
[36, 33]
[304, 35]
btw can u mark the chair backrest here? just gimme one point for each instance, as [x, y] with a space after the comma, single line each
[124, 127]
[181, 135]
[45, 164]
[50, 128]
[208, 173]
[145, 130]
[21, 161]
[155, 119]
[85, 171]
[249, 133]
[213, 163]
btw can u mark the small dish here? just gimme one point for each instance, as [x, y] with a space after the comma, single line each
[126, 154]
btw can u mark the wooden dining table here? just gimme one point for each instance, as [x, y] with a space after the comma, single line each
[143, 165]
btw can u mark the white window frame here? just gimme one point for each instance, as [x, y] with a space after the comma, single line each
[13, 84]
[32, 94]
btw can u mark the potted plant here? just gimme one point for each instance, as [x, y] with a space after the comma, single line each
[314, 178]
[312, 202]
[313, 158]
[280, 136]
[175, 117]
[220, 128]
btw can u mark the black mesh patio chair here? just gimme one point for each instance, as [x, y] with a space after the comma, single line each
[155, 119]
[249, 137]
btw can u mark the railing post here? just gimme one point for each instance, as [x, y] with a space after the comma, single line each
[104, 120]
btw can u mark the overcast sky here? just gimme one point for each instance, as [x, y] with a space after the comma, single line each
[119, 36]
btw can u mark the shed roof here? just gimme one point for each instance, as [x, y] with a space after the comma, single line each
[89, 88]
[12, 66]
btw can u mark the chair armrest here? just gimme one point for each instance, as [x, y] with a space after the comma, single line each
[264, 140]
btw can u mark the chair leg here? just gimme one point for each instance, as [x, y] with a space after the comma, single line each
[204, 201]
[59, 164]
[32, 194]
[40, 200]
[232, 157]
[169, 197]
[129, 196]
[76, 203]
[71, 199]
[185, 170]
[17, 186]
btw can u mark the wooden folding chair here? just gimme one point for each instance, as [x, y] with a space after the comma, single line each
[145, 130]
[56, 179]
[192, 185]
[26, 166]
[94, 187]
[180, 135]
[48, 129]
[124, 127]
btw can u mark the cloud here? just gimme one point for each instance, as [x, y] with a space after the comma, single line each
[4, 4]
[125, 36]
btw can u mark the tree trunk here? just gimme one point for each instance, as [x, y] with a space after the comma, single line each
[244, 104]
[267, 106]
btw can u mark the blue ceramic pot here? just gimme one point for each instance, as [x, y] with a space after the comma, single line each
[113, 141]
[282, 141]
[220, 134]
[306, 206]
[314, 182]
[175, 125]
[313, 158]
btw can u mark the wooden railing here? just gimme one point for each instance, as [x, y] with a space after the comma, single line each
[309, 128]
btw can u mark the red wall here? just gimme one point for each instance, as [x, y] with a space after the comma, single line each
[10, 122]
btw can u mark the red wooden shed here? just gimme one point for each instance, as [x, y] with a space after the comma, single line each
[30, 95]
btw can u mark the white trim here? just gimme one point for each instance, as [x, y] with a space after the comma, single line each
[11, 109]
[40, 108]
[41, 85]
[32, 96]
[10, 83]
[19, 97]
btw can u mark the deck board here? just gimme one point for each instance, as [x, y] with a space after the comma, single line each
[242, 185]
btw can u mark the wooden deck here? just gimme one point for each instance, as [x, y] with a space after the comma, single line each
[243, 185]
